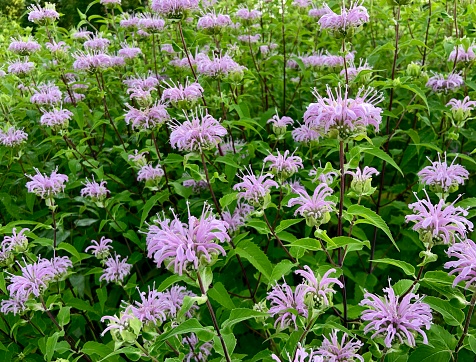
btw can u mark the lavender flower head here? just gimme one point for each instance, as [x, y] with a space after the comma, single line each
[247, 15]
[397, 321]
[343, 117]
[284, 165]
[362, 180]
[41, 16]
[13, 305]
[344, 350]
[129, 52]
[196, 352]
[461, 110]
[280, 124]
[57, 119]
[287, 305]
[175, 297]
[255, 189]
[353, 71]
[97, 42]
[138, 158]
[17, 242]
[439, 223]
[213, 23]
[183, 246]
[92, 61]
[100, 249]
[82, 34]
[24, 47]
[125, 328]
[116, 270]
[110, 3]
[46, 94]
[315, 209]
[237, 219]
[151, 309]
[20, 67]
[13, 137]
[442, 178]
[174, 9]
[305, 134]
[220, 67]
[150, 23]
[197, 133]
[438, 83]
[46, 186]
[465, 265]
[151, 175]
[196, 185]
[301, 355]
[96, 191]
[353, 17]
[152, 117]
[182, 96]
[318, 289]
[462, 55]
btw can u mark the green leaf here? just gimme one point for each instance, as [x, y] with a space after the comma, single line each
[189, 326]
[64, 316]
[352, 244]
[230, 343]
[413, 88]
[452, 315]
[161, 196]
[251, 252]
[372, 218]
[307, 243]
[239, 315]
[100, 349]
[3, 287]
[219, 294]
[440, 350]
[284, 224]
[51, 345]
[377, 152]
[280, 270]
[259, 225]
[407, 268]
[70, 249]
[228, 199]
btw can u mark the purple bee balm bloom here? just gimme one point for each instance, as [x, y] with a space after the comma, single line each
[196, 353]
[319, 288]
[57, 118]
[438, 83]
[174, 297]
[212, 21]
[323, 177]
[23, 47]
[149, 118]
[182, 96]
[462, 55]
[295, 186]
[116, 270]
[465, 266]
[110, 2]
[57, 48]
[279, 124]
[249, 38]
[116, 324]
[39, 15]
[91, 61]
[149, 173]
[46, 186]
[334, 350]
[353, 17]
[186, 245]
[237, 219]
[443, 178]
[100, 249]
[315, 209]
[246, 14]
[82, 34]
[151, 309]
[147, 83]
[301, 3]
[255, 190]
[318, 12]
[20, 68]
[440, 222]
[394, 319]
[13, 305]
[17, 242]
[197, 186]
[60, 265]
[461, 110]
[129, 52]
[97, 42]
[363, 175]
[46, 94]
[284, 165]
[174, 8]
[197, 134]
[301, 355]
[287, 305]
[305, 134]
[138, 158]
[73, 98]
[12, 137]
[129, 21]
[94, 190]
[150, 23]
[353, 71]
[167, 48]
[219, 66]
[343, 116]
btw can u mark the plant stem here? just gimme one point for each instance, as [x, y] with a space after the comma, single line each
[283, 108]
[466, 326]
[214, 319]
[160, 159]
[277, 238]
[215, 201]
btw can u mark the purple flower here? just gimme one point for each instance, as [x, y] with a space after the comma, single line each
[213, 22]
[182, 246]
[167, 48]
[462, 55]
[284, 165]
[129, 52]
[46, 186]
[150, 174]
[438, 83]
[305, 134]
[301, 356]
[279, 124]
[197, 134]
[116, 270]
[320, 288]
[315, 209]
[151, 308]
[249, 38]
[318, 12]
[150, 23]
[23, 47]
[82, 34]
[287, 305]
[60, 265]
[219, 66]
[174, 297]
[148, 118]
[196, 353]
[100, 249]
[197, 186]
[343, 116]
[91, 61]
[46, 94]
[443, 178]
[255, 190]
[174, 9]
[246, 14]
[17, 242]
[57, 118]
[138, 158]
[237, 219]
[129, 21]
[20, 68]
[97, 191]
[334, 350]
[117, 325]
[323, 175]
[465, 265]
[440, 222]
[353, 17]
[362, 180]
[353, 71]
[461, 110]
[97, 42]
[57, 48]
[110, 3]
[39, 15]
[394, 319]
[182, 97]
[12, 137]
[15, 305]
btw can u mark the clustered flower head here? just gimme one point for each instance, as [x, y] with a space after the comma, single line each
[196, 352]
[150, 23]
[362, 180]
[20, 67]
[315, 209]
[220, 67]
[197, 133]
[182, 96]
[214, 23]
[301, 355]
[96, 191]
[13, 137]
[116, 270]
[280, 124]
[461, 110]
[39, 15]
[462, 55]
[148, 118]
[129, 52]
[46, 186]
[255, 189]
[24, 47]
[92, 61]
[237, 219]
[321, 59]
[174, 9]
[57, 119]
[46, 94]
[440, 83]
[443, 178]
[345, 350]
[100, 249]
[246, 14]
[17, 243]
[439, 223]
[187, 245]
[284, 165]
[396, 320]
[465, 265]
[353, 17]
[319, 290]
[343, 117]
[150, 175]
[97, 42]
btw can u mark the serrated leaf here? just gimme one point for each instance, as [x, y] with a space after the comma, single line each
[252, 252]
[189, 326]
[344, 241]
[161, 196]
[92, 347]
[284, 224]
[241, 314]
[64, 316]
[452, 315]
[307, 243]
[407, 268]
[228, 199]
[280, 270]
[377, 152]
[219, 294]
